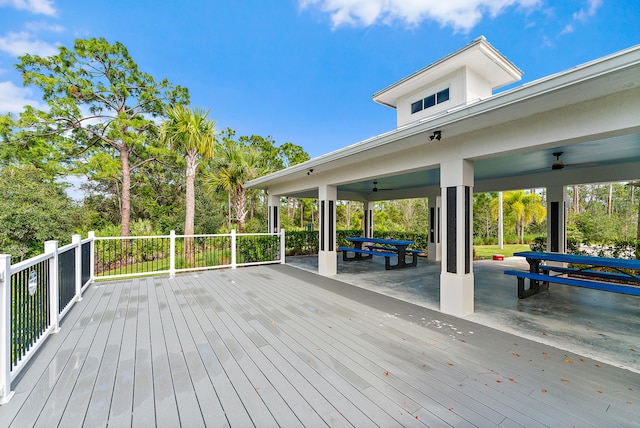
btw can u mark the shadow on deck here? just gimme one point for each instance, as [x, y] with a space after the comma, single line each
[279, 346]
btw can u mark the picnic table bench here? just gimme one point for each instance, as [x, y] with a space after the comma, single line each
[540, 273]
[386, 248]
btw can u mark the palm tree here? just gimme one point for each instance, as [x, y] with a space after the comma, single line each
[189, 132]
[522, 208]
[234, 166]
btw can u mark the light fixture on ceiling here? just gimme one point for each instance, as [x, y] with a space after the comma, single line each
[437, 135]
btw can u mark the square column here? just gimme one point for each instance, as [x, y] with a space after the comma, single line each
[557, 219]
[434, 249]
[327, 255]
[456, 278]
[274, 214]
[367, 219]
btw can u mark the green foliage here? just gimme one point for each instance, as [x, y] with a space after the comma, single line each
[520, 210]
[234, 166]
[260, 248]
[33, 209]
[301, 242]
[101, 111]
[539, 243]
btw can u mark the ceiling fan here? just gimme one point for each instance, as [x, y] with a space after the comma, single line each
[558, 164]
[375, 187]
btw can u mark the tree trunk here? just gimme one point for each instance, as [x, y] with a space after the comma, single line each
[610, 200]
[240, 208]
[189, 220]
[125, 209]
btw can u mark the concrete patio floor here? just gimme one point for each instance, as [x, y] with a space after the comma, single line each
[601, 325]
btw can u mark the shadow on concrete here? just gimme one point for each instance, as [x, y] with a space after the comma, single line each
[601, 325]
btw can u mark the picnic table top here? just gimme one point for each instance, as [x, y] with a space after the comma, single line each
[381, 240]
[585, 260]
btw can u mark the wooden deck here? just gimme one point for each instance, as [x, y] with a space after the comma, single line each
[278, 346]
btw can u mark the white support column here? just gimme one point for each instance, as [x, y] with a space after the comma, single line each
[76, 239]
[327, 255]
[234, 254]
[5, 329]
[367, 219]
[556, 219]
[434, 250]
[283, 245]
[456, 278]
[51, 247]
[172, 254]
[92, 256]
[274, 214]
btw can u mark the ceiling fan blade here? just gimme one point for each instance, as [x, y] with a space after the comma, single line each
[581, 164]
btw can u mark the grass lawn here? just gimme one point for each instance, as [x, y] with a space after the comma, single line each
[487, 251]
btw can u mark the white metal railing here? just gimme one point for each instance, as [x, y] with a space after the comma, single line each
[36, 294]
[117, 257]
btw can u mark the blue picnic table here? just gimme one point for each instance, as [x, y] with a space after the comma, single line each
[366, 248]
[625, 278]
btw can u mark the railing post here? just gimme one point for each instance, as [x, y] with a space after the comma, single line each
[172, 254]
[5, 328]
[51, 247]
[75, 239]
[283, 242]
[92, 256]
[233, 249]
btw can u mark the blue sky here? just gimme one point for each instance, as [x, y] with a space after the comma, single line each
[303, 71]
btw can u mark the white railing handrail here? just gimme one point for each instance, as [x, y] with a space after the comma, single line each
[26, 264]
[203, 235]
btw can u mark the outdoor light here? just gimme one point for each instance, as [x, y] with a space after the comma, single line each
[310, 171]
[437, 135]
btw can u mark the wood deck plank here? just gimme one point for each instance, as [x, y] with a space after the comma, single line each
[189, 410]
[338, 376]
[208, 401]
[376, 374]
[233, 407]
[229, 353]
[79, 400]
[102, 395]
[122, 402]
[342, 377]
[164, 398]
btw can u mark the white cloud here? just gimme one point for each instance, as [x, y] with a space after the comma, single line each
[567, 29]
[43, 26]
[21, 43]
[43, 7]
[13, 98]
[592, 8]
[582, 16]
[462, 15]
